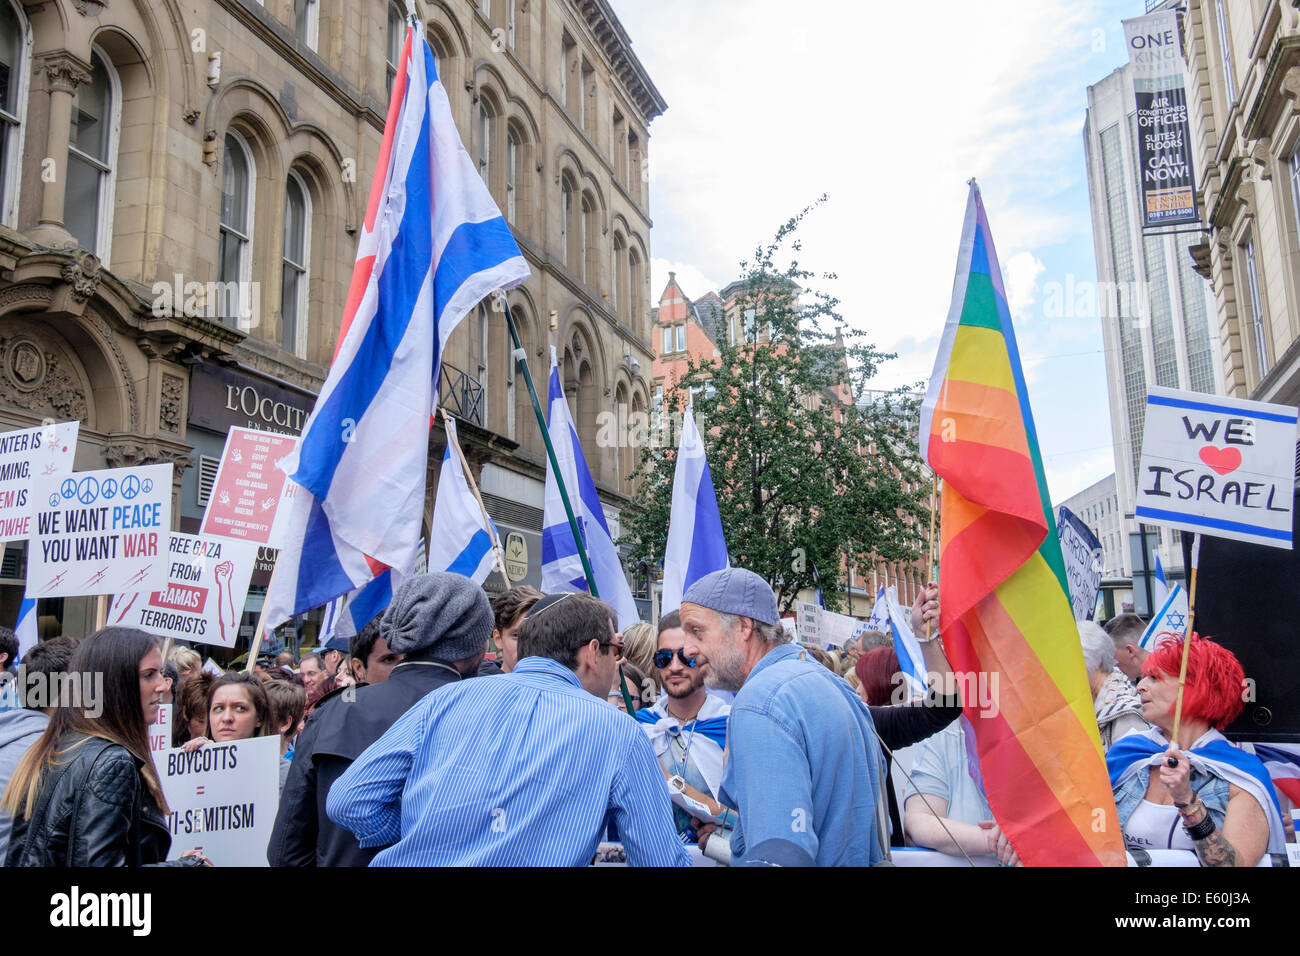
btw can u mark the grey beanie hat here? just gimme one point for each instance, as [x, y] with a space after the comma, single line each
[735, 591]
[447, 614]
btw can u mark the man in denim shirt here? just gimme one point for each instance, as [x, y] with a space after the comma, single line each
[804, 767]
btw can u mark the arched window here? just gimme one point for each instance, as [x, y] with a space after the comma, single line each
[635, 284]
[13, 106]
[618, 290]
[485, 141]
[92, 148]
[512, 175]
[396, 37]
[584, 237]
[295, 272]
[234, 254]
[566, 213]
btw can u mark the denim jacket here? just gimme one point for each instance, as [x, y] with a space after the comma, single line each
[1212, 789]
[804, 767]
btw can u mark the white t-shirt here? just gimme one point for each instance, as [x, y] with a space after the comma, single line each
[939, 768]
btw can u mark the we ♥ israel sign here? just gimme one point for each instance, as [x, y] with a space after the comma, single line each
[1219, 466]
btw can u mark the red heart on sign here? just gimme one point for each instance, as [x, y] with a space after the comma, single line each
[1222, 460]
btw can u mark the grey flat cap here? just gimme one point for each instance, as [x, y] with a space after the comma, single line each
[735, 591]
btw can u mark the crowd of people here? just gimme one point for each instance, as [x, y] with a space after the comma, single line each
[711, 737]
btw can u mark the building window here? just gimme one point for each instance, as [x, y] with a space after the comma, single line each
[485, 142]
[485, 8]
[566, 210]
[584, 237]
[13, 107]
[234, 253]
[294, 270]
[510, 23]
[568, 64]
[1221, 22]
[681, 338]
[306, 21]
[512, 174]
[587, 110]
[1256, 309]
[396, 39]
[618, 294]
[667, 339]
[92, 144]
[636, 287]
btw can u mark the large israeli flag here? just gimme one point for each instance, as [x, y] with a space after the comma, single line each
[459, 541]
[433, 244]
[1169, 621]
[695, 543]
[561, 567]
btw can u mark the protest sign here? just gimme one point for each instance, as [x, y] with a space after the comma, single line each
[1082, 552]
[805, 615]
[100, 532]
[207, 582]
[160, 732]
[249, 488]
[25, 455]
[1218, 465]
[223, 799]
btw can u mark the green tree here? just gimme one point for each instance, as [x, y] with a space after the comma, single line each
[808, 468]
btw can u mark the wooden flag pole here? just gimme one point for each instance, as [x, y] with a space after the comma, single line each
[256, 645]
[930, 565]
[101, 611]
[473, 487]
[1187, 641]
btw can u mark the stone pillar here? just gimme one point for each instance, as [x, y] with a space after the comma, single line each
[64, 73]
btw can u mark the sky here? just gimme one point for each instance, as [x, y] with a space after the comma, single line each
[890, 113]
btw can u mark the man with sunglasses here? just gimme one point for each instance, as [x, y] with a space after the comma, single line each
[687, 727]
[524, 769]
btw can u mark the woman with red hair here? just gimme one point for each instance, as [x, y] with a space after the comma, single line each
[1221, 795]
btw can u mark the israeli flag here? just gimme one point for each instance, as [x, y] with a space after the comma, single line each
[1159, 586]
[459, 541]
[1169, 622]
[879, 619]
[561, 567]
[906, 646]
[25, 629]
[695, 543]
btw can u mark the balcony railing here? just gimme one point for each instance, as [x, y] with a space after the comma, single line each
[461, 394]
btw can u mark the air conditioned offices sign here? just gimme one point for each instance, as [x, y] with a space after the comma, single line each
[1164, 135]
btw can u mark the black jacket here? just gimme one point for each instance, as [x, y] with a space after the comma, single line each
[902, 725]
[334, 737]
[92, 811]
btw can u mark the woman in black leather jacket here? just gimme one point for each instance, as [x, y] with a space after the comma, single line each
[87, 792]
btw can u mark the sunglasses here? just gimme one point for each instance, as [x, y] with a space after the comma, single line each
[665, 657]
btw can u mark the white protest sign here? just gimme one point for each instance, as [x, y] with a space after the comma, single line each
[100, 532]
[1082, 553]
[43, 452]
[835, 628]
[805, 615]
[1220, 466]
[203, 599]
[249, 489]
[160, 732]
[223, 799]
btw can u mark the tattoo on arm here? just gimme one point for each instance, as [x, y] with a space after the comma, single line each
[1214, 850]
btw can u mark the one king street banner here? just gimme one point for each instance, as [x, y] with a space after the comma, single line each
[249, 488]
[1164, 139]
[1219, 466]
[207, 582]
[223, 799]
[43, 452]
[100, 532]
[1082, 552]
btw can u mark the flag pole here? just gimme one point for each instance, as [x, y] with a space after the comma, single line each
[256, 644]
[1187, 640]
[521, 357]
[930, 563]
[473, 486]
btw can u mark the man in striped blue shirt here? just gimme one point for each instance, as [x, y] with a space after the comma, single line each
[525, 769]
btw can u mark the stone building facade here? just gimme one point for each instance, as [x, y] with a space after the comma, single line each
[180, 193]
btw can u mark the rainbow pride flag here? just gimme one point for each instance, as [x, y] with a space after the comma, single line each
[1005, 606]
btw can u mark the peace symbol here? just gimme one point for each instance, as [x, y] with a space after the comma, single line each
[147, 485]
[130, 487]
[88, 490]
[68, 488]
[54, 500]
[108, 488]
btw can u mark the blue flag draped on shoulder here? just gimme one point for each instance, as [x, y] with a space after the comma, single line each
[695, 543]
[459, 541]
[561, 566]
[433, 245]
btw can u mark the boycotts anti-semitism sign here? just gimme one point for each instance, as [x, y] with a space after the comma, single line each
[207, 582]
[1221, 466]
[1082, 552]
[100, 532]
[248, 489]
[223, 799]
[41, 452]
[1164, 137]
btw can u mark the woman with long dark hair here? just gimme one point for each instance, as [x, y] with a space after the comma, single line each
[87, 792]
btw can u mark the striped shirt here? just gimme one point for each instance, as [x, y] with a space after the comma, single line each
[525, 769]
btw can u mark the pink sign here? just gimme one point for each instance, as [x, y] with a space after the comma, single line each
[249, 488]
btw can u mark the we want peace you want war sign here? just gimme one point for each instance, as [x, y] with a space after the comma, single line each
[1218, 466]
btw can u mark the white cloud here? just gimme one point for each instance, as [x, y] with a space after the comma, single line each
[1021, 281]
